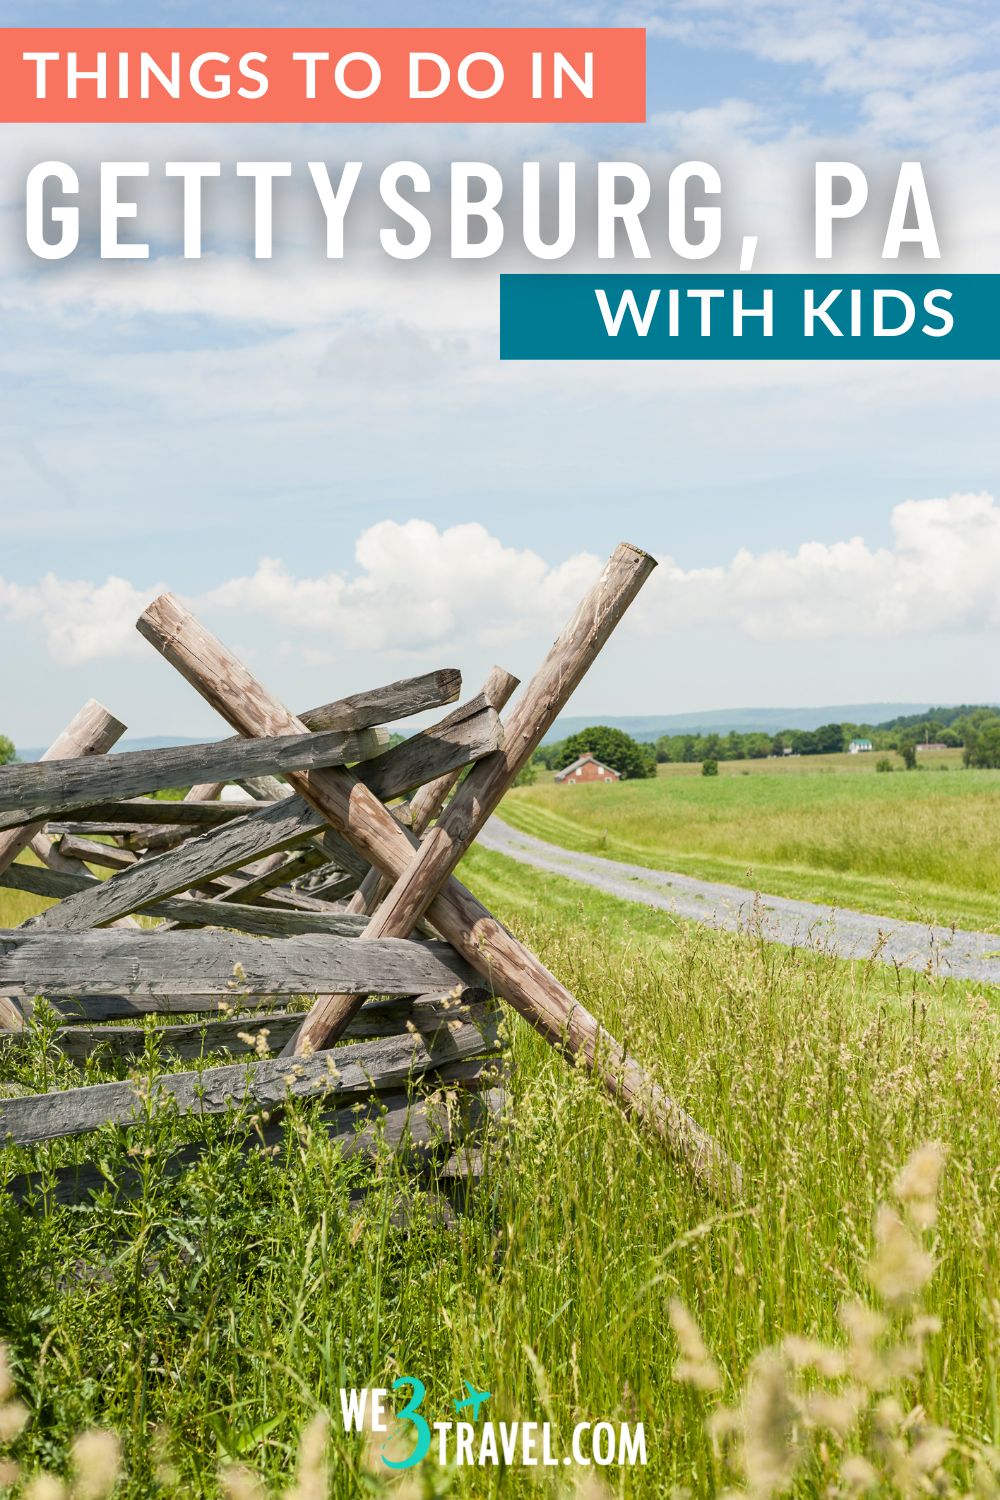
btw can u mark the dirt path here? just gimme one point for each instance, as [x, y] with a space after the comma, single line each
[845, 934]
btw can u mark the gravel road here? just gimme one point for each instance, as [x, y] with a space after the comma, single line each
[845, 934]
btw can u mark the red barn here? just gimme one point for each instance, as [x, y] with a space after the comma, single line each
[587, 768]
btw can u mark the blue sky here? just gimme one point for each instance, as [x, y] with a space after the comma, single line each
[316, 454]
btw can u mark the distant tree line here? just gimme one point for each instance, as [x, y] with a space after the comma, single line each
[977, 729]
[974, 729]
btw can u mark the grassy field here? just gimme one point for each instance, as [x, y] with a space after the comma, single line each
[209, 1319]
[921, 844]
[812, 765]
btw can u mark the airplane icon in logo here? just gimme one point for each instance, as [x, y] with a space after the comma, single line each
[473, 1400]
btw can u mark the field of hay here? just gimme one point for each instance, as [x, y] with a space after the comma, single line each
[209, 1319]
[921, 845]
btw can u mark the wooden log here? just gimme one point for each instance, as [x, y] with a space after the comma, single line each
[194, 911]
[397, 700]
[229, 887]
[91, 732]
[44, 848]
[203, 793]
[36, 962]
[335, 886]
[428, 800]
[75, 1012]
[278, 826]
[271, 887]
[203, 797]
[13, 1017]
[288, 868]
[105, 856]
[243, 1034]
[142, 813]
[356, 1070]
[349, 807]
[46, 789]
[412, 1128]
[109, 828]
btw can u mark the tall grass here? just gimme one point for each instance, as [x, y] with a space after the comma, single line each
[211, 1317]
[921, 845]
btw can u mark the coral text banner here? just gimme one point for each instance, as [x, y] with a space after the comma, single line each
[558, 316]
[160, 75]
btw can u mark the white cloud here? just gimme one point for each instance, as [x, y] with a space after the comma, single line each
[415, 587]
[940, 574]
[80, 621]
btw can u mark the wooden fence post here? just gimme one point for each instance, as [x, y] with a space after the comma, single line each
[428, 800]
[354, 812]
[92, 732]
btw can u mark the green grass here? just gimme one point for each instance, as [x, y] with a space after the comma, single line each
[921, 845]
[244, 1293]
[17, 906]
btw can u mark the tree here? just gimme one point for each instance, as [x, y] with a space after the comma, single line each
[528, 774]
[7, 751]
[547, 755]
[829, 739]
[733, 747]
[614, 747]
[908, 751]
[710, 768]
[982, 744]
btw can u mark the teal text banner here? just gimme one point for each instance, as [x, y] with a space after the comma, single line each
[575, 316]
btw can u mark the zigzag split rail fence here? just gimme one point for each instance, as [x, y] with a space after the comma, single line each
[335, 882]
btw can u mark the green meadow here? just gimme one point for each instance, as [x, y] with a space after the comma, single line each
[802, 1341]
[921, 844]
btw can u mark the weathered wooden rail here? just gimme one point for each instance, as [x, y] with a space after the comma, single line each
[280, 921]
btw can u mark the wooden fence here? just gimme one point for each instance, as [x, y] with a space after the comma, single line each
[333, 884]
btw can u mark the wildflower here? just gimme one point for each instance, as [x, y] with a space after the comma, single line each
[13, 1416]
[899, 1269]
[45, 1487]
[930, 1451]
[240, 1483]
[589, 1487]
[97, 1462]
[810, 1354]
[857, 1474]
[889, 1415]
[864, 1327]
[916, 1186]
[696, 1366]
[256, 1041]
[771, 1444]
[312, 1480]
